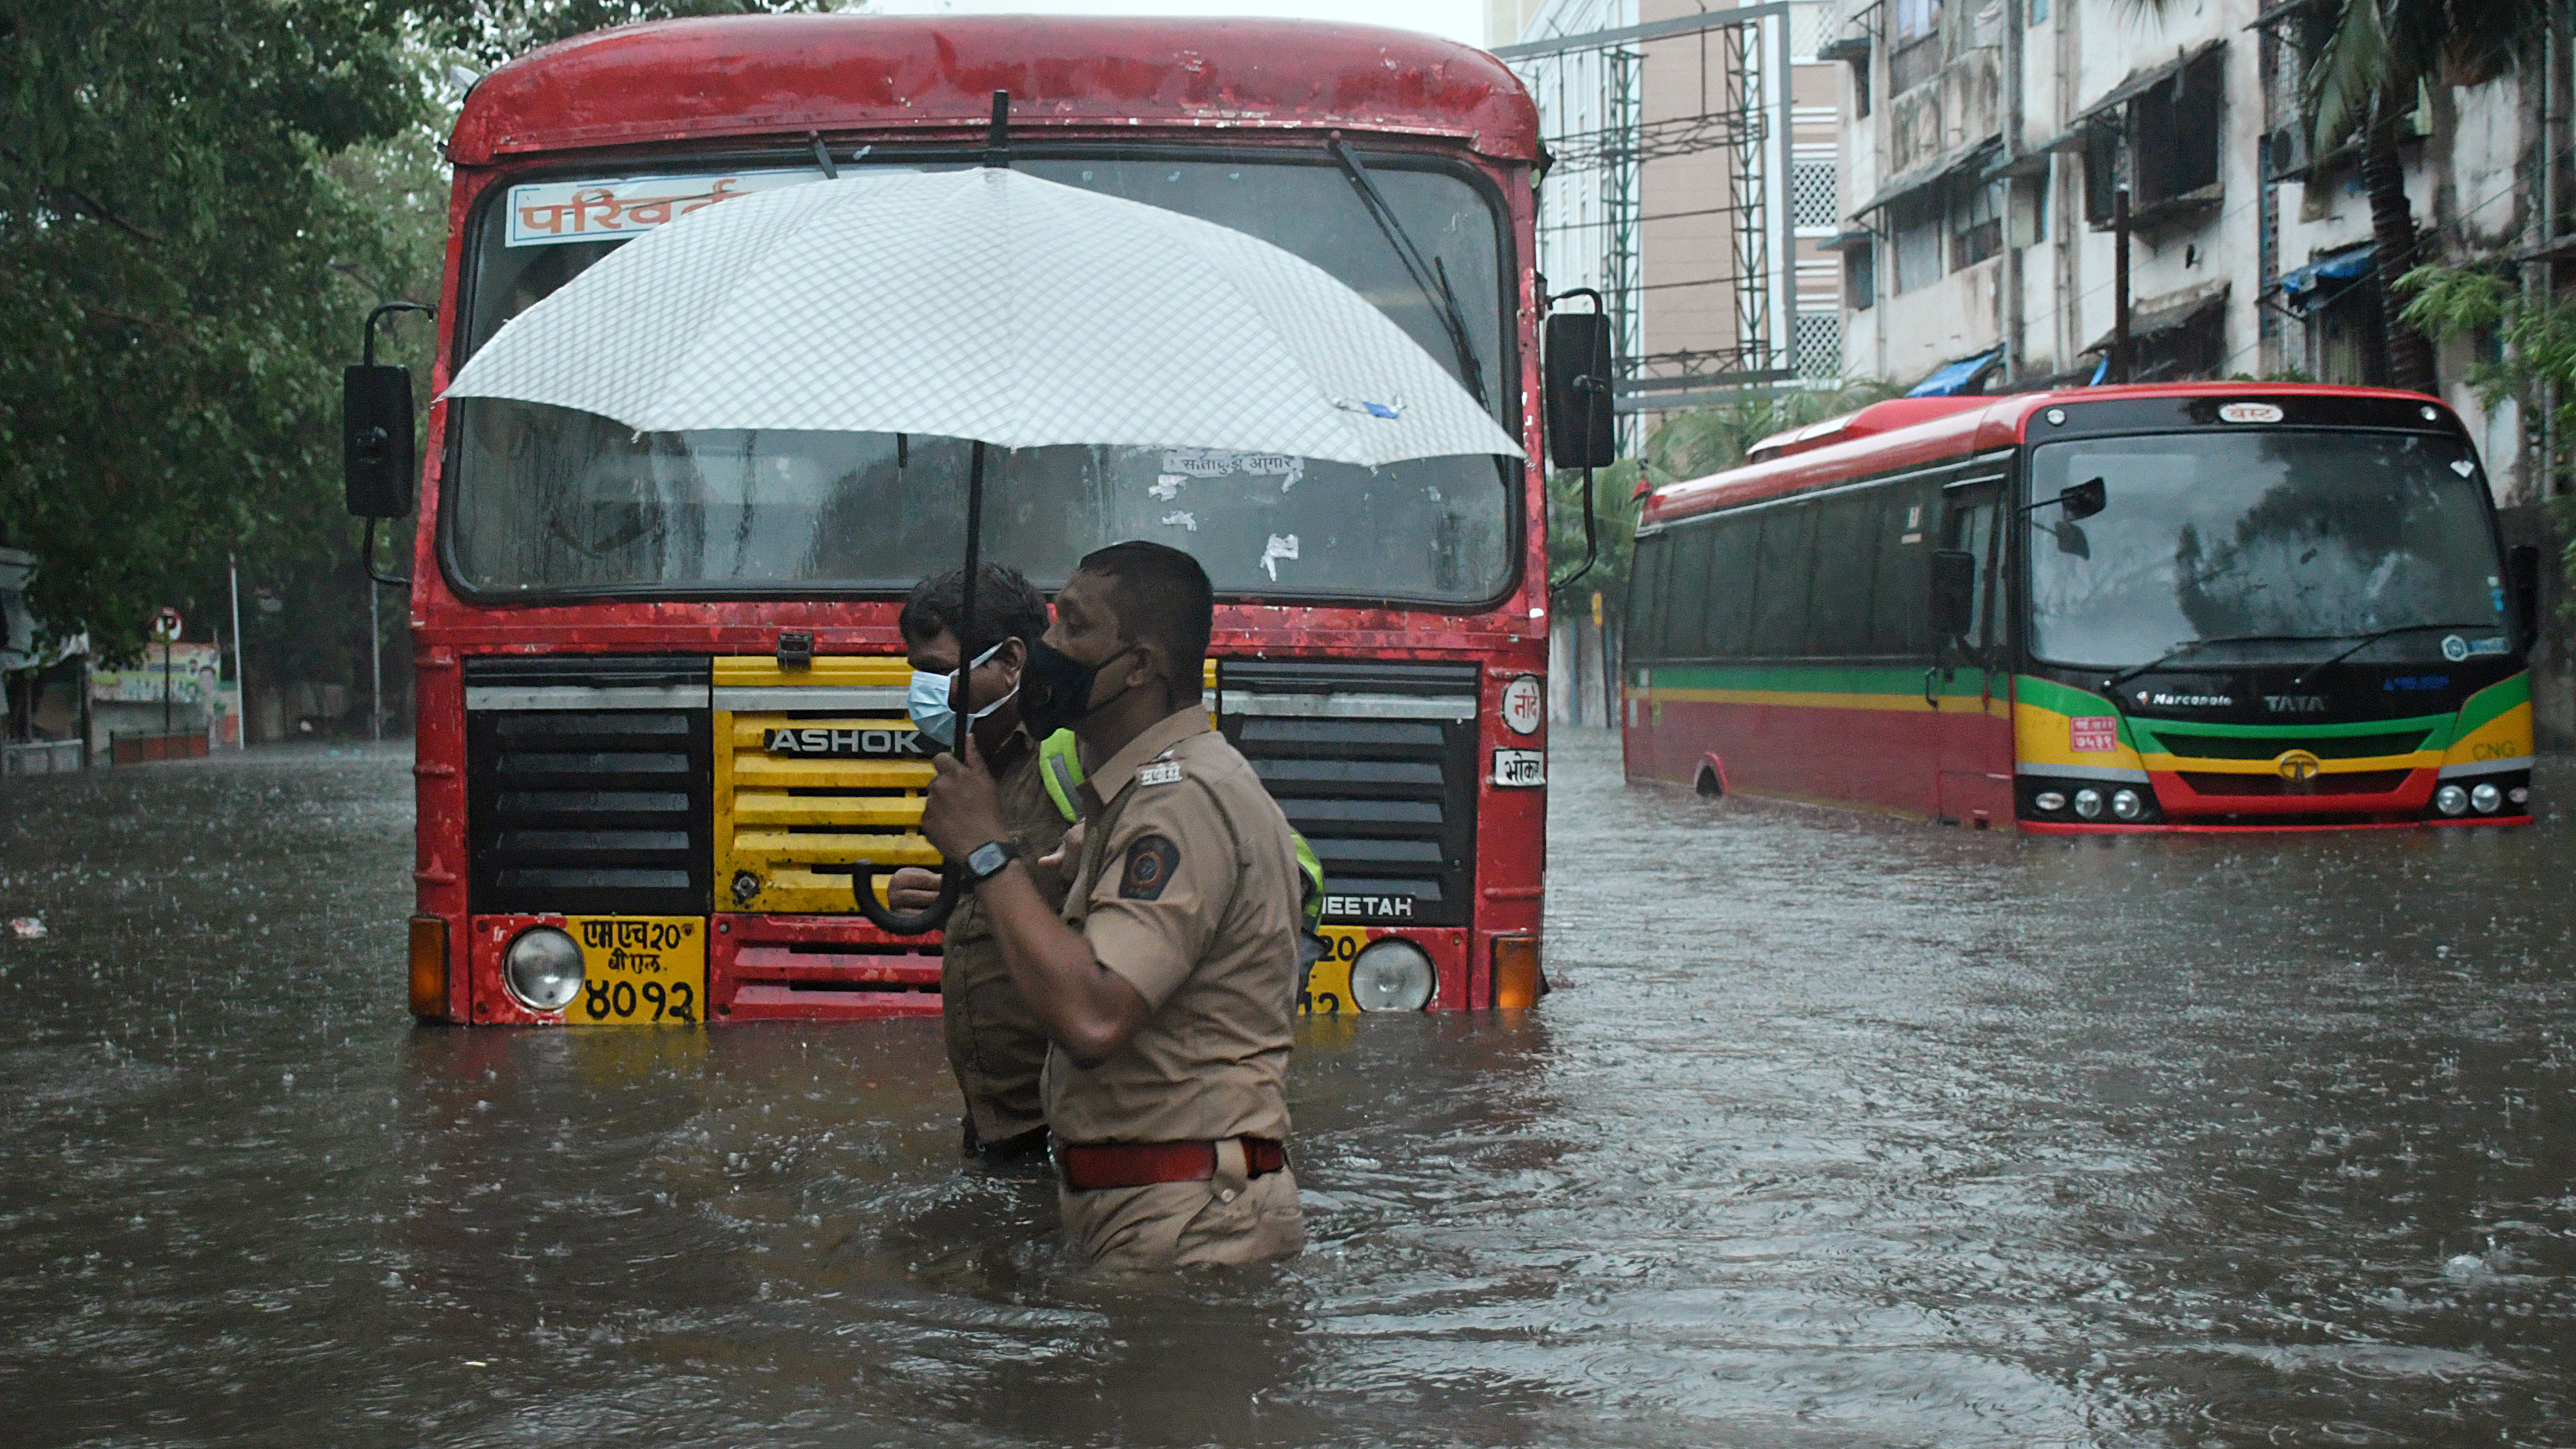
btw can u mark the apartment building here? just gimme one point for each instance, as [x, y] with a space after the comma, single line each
[1985, 143]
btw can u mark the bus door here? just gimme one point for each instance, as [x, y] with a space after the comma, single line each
[1968, 684]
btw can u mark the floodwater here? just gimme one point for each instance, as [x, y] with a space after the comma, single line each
[1840, 1132]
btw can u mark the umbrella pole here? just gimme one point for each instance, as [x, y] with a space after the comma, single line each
[863, 874]
[967, 638]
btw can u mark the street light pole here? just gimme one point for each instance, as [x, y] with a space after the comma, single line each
[375, 666]
[241, 681]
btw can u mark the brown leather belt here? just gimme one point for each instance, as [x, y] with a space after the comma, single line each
[1089, 1167]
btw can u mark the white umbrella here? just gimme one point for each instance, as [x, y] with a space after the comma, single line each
[983, 304]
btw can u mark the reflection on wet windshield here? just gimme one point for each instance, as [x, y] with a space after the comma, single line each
[2311, 536]
[546, 499]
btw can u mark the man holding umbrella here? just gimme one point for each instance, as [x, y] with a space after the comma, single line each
[1166, 985]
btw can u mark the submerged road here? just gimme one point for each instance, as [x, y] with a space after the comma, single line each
[1843, 1132]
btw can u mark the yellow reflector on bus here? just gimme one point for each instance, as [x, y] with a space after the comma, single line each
[1515, 973]
[428, 967]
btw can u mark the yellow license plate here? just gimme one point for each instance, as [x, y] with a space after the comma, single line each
[640, 970]
[1326, 990]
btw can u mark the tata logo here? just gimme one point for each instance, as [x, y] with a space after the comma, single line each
[2249, 412]
[2297, 766]
[2294, 704]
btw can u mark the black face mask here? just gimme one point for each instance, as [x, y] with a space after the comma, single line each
[1055, 689]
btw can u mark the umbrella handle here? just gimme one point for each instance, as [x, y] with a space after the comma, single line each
[863, 884]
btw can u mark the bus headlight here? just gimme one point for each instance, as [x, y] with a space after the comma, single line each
[2519, 794]
[2088, 803]
[1389, 975]
[2451, 800]
[2486, 798]
[2051, 801]
[542, 969]
[2126, 804]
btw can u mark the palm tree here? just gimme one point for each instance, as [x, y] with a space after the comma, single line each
[2377, 57]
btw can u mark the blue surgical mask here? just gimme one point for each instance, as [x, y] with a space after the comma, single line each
[927, 701]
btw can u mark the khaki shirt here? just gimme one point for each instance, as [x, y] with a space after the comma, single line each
[1188, 890]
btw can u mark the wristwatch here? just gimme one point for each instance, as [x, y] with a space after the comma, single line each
[986, 860]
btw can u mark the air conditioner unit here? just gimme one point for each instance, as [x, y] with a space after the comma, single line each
[2285, 151]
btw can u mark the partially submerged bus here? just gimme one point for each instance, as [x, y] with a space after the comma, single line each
[661, 692]
[2188, 607]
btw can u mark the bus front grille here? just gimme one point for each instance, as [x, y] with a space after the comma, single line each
[817, 768]
[586, 785]
[2354, 782]
[1375, 764]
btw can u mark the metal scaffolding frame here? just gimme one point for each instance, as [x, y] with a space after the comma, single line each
[1592, 109]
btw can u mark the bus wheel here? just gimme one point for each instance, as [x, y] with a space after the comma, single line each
[1707, 784]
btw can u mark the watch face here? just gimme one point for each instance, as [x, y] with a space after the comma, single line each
[987, 858]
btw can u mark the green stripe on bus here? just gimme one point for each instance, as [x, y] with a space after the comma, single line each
[2165, 736]
[2495, 699]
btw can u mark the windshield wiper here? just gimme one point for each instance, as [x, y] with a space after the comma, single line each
[2369, 639]
[2191, 646]
[1428, 275]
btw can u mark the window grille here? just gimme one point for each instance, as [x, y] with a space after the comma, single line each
[1815, 194]
[1816, 342]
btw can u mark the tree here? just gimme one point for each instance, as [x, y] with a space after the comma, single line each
[2377, 57]
[170, 281]
[199, 201]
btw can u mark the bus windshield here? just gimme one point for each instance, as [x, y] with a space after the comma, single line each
[544, 501]
[2273, 546]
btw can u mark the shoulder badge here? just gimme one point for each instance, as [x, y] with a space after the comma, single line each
[1159, 772]
[1150, 863]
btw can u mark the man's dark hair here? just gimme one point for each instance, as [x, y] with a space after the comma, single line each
[1007, 606]
[1161, 597]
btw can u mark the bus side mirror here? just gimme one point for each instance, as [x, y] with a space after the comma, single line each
[1581, 430]
[376, 439]
[2083, 500]
[2522, 572]
[1954, 593]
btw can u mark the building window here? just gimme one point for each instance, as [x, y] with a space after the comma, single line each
[1916, 220]
[1816, 346]
[1976, 223]
[1915, 57]
[1815, 195]
[2174, 130]
[2101, 174]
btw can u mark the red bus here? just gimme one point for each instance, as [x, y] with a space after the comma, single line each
[2186, 607]
[661, 704]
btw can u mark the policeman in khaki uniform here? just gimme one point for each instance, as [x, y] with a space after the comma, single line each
[1166, 984]
[996, 1045]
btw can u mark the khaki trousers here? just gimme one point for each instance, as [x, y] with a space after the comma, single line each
[1227, 1219]
[995, 1044]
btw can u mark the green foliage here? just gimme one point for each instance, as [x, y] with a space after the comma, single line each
[176, 264]
[200, 200]
[2536, 337]
[1689, 444]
